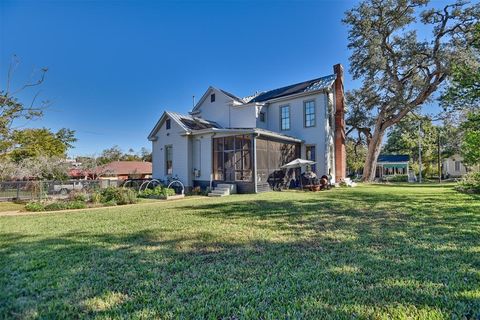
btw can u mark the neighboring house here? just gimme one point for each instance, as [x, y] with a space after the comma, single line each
[392, 164]
[116, 170]
[123, 170]
[227, 139]
[453, 166]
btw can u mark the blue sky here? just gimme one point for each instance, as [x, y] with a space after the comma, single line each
[114, 66]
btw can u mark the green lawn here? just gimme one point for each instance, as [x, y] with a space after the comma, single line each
[381, 252]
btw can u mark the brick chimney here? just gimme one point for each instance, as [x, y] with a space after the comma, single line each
[340, 153]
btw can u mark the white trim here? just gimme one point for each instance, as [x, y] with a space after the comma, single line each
[159, 123]
[259, 131]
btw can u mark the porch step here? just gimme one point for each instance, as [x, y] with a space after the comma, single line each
[223, 189]
[211, 194]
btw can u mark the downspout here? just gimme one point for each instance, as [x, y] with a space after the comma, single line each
[254, 146]
[326, 150]
[212, 155]
[229, 115]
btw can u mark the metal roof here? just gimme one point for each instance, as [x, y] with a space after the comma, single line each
[239, 131]
[305, 86]
[393, 158]
[188, 122]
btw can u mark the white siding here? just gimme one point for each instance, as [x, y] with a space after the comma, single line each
[449, 166]
[317, 135]
[218, 111]
[205, 160]
[181, 154]
[243, 116]
[260, 124]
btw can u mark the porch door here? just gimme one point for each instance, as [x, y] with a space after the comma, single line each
[229, 166]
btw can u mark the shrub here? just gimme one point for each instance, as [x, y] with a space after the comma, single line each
[77, 196]
[167, 192]
[398, 178]
[157, 192]
[118, 196]
[110, 203]
[96, 197]
[54, 206]
[126, 196]
[64, 205]
[197, 191]
[470, 183]
[76, 205]
[34, 206]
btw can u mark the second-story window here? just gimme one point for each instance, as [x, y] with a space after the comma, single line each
[261, 116]
[309, 114]
[212, 97]
[168, 124]
[285, 117]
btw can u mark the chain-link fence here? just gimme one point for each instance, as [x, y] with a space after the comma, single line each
[36, 190]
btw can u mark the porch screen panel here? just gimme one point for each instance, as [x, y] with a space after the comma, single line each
[218, 166]
[271, 155]
[233, 158]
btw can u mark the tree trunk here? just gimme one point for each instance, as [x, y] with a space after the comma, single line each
[373, 151]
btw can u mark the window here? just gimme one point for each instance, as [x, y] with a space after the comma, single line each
[311, 155]
[329, 112]
[168, 160]
[261, 116]
[457, 165]
[168, 124]
[309, 113]
[212, 97]
[285, 118]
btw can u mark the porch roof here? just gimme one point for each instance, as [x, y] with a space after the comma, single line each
[237, 131]
[393, 158]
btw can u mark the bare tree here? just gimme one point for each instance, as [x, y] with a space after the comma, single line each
[400, 72]
[12, 109]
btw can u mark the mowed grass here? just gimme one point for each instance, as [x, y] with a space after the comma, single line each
[376, 252]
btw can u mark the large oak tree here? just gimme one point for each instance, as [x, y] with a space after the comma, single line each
[399, 70]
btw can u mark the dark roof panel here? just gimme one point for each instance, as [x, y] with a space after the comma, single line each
[305, 86]
[393, 158]
[196, 124]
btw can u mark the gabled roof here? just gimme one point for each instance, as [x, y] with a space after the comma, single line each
[186, 122]
[305, 86]
[234, 97]
[393, 158]
[206, 94]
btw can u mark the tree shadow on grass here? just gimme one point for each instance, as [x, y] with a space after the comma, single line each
[380, 269]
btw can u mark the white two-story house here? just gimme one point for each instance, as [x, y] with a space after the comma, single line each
[227, 139]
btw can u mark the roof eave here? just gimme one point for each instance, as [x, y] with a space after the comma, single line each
[152, 136]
